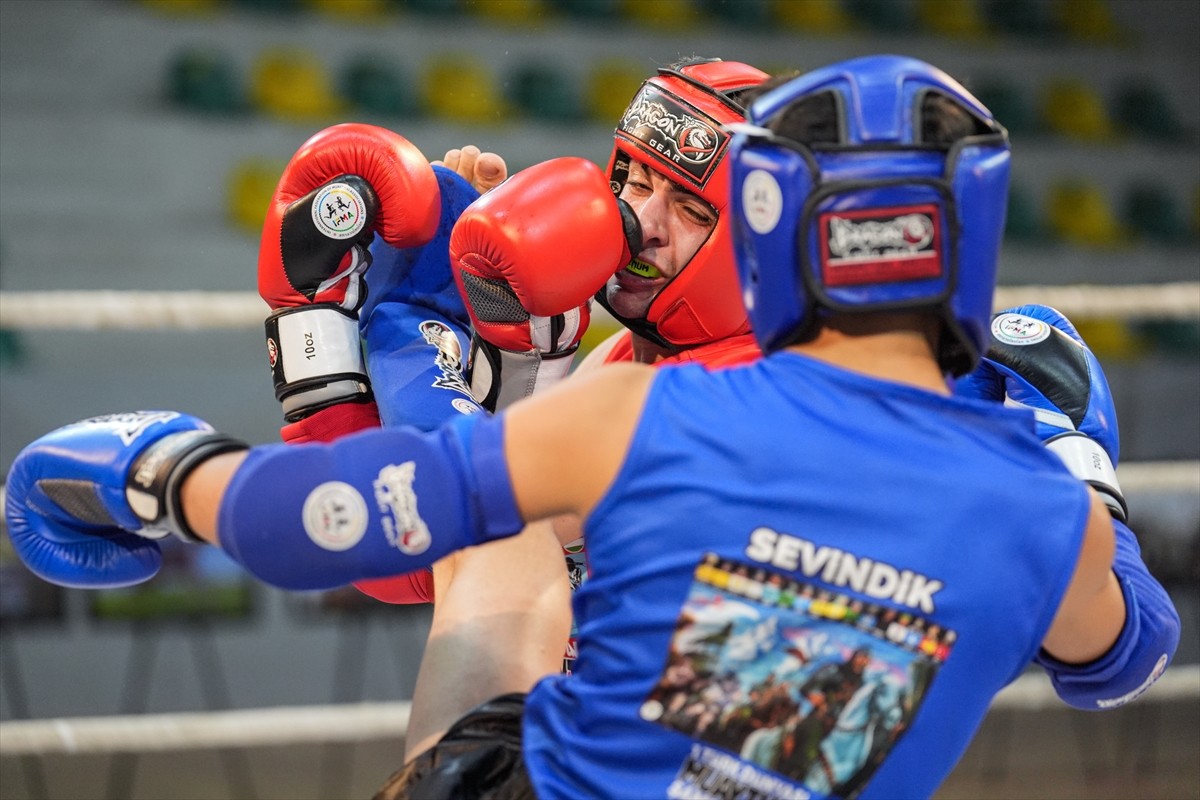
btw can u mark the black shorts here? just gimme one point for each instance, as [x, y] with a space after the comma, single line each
[479, 758]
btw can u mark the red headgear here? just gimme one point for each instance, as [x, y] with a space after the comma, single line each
[674, 125]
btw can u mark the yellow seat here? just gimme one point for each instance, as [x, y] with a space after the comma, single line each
[294, 85]
[955, 19]
[249, 188]
[813, 16]
[663, 15]
[1072, 108]
[1112, 339]
[1088, 21]
[462, 89]
[512, 12]
[1079, 213]
[352, 10]
[609, 87]
[184, 7]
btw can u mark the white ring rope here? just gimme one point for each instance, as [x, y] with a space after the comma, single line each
[369, 721]
[110, 310]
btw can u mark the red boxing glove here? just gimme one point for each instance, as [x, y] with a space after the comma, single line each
[341, 187]
[527, 257]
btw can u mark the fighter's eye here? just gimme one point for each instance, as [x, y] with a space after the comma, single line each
[701, 215]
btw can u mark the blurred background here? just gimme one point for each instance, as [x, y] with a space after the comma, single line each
[141, 139]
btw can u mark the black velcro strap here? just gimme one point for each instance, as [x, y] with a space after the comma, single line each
[156, 476]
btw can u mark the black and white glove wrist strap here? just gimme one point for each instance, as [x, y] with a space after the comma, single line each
[500, 378]
[156, 476]
[316, 358]
[1089, 462]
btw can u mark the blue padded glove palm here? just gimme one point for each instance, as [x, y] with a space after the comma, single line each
[1038, 360]
[85, 502]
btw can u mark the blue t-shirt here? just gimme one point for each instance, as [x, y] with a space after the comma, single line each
[804, 583]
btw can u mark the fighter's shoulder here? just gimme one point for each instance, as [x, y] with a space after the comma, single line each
[616, 348]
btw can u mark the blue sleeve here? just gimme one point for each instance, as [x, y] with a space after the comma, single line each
[371, 505]
[415, 327]
[1142, 651]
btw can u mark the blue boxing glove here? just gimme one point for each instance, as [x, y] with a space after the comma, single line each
[86, 502]
[1038, 360]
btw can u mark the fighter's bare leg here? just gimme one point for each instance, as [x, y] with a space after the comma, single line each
[484, 170]
[500, 621]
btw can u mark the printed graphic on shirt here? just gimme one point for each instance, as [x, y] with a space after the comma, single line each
[795, 682]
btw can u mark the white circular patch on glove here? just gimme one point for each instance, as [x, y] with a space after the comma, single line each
[1017, 329]
[338, 211]
[762, 201]
[335, 516]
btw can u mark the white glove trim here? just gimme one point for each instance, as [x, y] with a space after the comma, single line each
[319, 341]
[508, 376]
[1044, 415]
[1088, 461]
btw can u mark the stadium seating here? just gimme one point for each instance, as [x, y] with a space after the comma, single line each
[814, 16]
[1079, 213]
[249, 188]
[1023, 222]
[1142, 108]
[1010, 102]
[955, 19]
[459, 88]
[1072, 108]
[662, 15]
[374, 84]
[542, 91]
[609, 86]
[293, 84]
[204, 80]
[1152, 212]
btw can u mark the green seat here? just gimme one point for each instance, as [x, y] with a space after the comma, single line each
[204, 80]
[609, 10]
[1152, 212]
[1022, 18]
[1143, 108]
[376, 86]
[1172, 337]
[1023, 222]
[752, 14]
[542, 91]
[271, 6]
[1011, 104]
[885, 16]
[435, 8]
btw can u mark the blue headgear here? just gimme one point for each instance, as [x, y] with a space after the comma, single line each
[869, 218]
